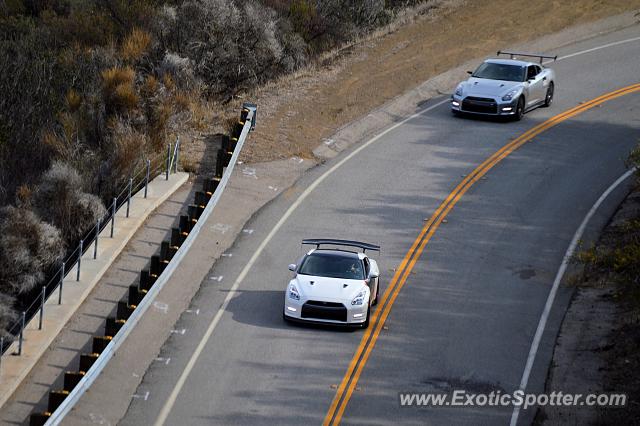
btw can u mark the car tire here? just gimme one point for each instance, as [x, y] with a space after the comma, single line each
[519, 109]
[375, 301]
[365, 324]
[548, 99]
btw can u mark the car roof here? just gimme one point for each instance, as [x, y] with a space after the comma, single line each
[338, 253]
[510, 62]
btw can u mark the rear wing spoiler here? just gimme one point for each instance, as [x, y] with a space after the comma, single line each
[513, 55]
[347, 243]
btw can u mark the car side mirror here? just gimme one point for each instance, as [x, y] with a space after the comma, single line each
[292, 267]
[470, 72]
[373, 275]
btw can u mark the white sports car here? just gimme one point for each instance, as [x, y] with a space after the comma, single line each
[505, 87]
[333, 286]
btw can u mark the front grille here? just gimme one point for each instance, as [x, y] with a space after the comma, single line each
[474, 98]
[324, 310]
[483, 105]
[325, 304]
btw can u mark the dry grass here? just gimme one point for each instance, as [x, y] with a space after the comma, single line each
[150, 86]
[298, 111]
[73, 100]
[116, 76]
[182, 101]
[130, 147]
[189, 165]
[159, 120]
[24, 193]
[168, 82]
[136, 45]
[118, 89]
[125, 97]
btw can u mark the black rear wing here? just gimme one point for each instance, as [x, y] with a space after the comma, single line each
[513, 55]
[347, 243]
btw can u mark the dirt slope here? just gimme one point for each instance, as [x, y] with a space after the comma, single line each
[299, 111]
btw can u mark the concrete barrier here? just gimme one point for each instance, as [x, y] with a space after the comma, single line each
[160, 270]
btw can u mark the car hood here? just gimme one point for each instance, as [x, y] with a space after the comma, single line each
[485, 87]
[328, 289]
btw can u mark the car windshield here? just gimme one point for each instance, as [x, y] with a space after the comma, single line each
[500, 72]
[333, 266]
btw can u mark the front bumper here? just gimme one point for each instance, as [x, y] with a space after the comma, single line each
[483, 105]
[325, 312]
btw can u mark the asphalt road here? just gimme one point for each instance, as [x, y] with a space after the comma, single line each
[467, 314]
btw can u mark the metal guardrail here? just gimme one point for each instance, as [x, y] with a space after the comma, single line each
[153, 168]
[109, 351]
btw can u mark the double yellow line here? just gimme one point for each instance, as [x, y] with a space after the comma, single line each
[378, 318]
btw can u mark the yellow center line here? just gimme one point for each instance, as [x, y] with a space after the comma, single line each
[378, 318]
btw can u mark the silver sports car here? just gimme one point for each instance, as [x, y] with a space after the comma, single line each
[505, 87]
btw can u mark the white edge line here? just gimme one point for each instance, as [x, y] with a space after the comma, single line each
[162, 417]
[95, 370]
[556, 283]
[109, 351]
[593, 49]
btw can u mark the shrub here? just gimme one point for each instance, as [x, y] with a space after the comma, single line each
[118, 90]
[130, 146]
[28, 246]
[229, 45]
[8, 316]
[180, 70]
[60, 200]
[136, 45]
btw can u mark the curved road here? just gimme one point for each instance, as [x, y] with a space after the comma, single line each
[467, 313]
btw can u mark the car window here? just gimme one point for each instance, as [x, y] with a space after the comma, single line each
[507, 72]
[332, 266]
[532, 71]
[365, 261]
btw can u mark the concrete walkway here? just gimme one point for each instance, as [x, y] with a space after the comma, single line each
[69, 327]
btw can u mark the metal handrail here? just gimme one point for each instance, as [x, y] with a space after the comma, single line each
[70, 262]
[109, 351]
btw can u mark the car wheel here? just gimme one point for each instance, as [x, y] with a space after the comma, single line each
[548, 99]
[519, 109]
[375, 301]
[365, 324]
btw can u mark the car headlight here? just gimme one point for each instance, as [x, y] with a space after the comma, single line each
[458, 91]
[509, 96]
[359, 299]
[293, 292]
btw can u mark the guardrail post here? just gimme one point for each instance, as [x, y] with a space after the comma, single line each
[129, 196]
[168, 160]
[146, 181]
[42, 300]
[24, 317]
[79, 260]
[61, 282]
[95, 246]
[177, 151]
[113, 214]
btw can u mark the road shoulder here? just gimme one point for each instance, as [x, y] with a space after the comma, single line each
[597, 350]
